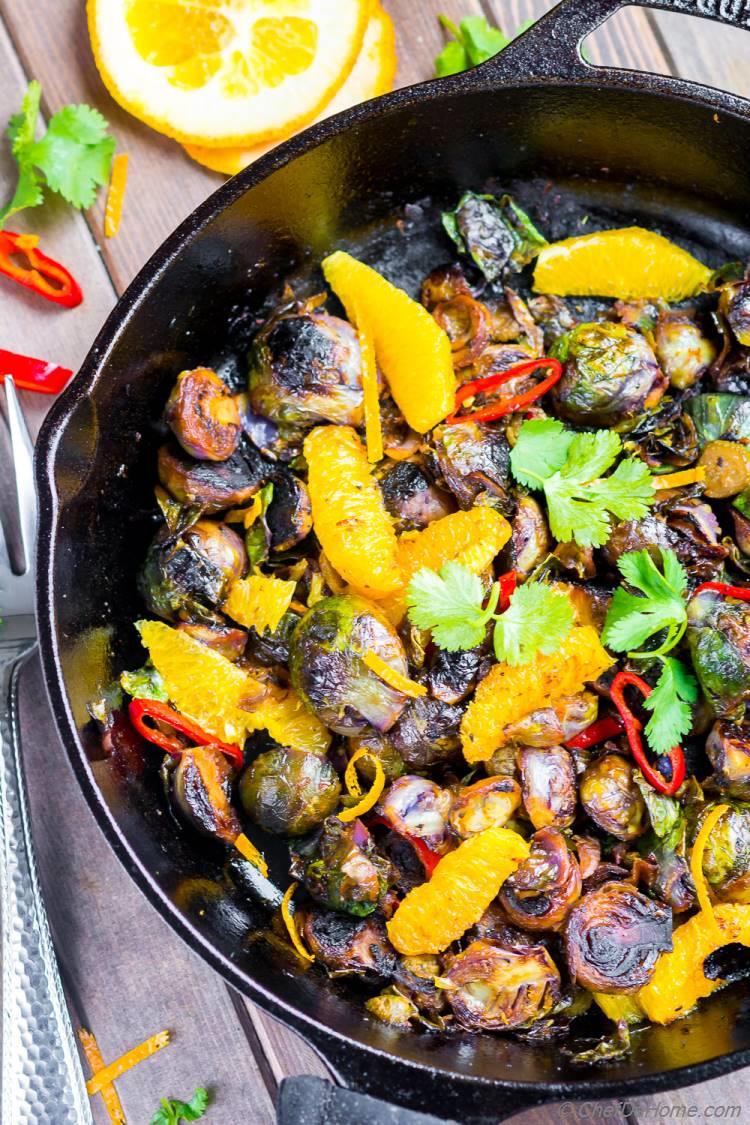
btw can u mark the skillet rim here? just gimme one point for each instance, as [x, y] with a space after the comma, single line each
[328, 1042]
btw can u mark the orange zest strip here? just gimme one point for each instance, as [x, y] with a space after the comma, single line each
[393, 678]
[110, 1097]
[696, 868]
[372, 796]
[248, 851]
[115, 194]
[679, 480]
[373, 428]
[291, 925]
[126, 1062]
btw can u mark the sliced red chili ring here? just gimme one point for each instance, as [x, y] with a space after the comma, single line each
[742, 593]
[32, 374]
[142, 709]
[22, 262]
[507, 583]
[608, 727]
[505, 405]
[632, 728]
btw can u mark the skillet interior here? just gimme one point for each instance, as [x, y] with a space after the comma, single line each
[621, 154]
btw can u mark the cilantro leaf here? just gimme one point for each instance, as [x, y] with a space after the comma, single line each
[171, 1111]
[21, 131]
[450, 604]
[451, 60]
[632, 619]
[569, 467]
[538, 619]
[670, 706]
[474, 41]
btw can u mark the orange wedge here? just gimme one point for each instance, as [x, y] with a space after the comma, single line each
[632, 264]
[226, 72]
[373, 74]
[412, 350]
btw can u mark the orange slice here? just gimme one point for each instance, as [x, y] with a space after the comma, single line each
[412, 350]
[259, 602]
[632, 264]
[373, 74]
[226, 72]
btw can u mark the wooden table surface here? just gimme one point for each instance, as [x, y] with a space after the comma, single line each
[126, 973]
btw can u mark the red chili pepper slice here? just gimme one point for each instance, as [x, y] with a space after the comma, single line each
[599, 731]
[22, 262]
[632, 728]
[507, 583]
[142, 709]
[427, 856]
[33, 374]
[742, 593]
[508, 405]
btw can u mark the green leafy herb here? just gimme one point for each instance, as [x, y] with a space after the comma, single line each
[632, 618]
[670, 704]
[171, 1111]
[450, 604]
[474, 41]
[73, 157]
[568, 467]
[144, 683]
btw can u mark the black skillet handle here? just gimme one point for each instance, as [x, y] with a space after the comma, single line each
[552, 46]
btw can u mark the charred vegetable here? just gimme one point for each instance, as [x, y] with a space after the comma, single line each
[201, 788]
[727, 468]
[190, 575]
[720, 416]
[412, 497]
[493, 800]
[549, 786]
[495, 233]
[427, 733]
[203, 415]
[530, 542]
[719, 637]
[501, 987]
[453, 675]
[328, 671]
[562, 720]
[345, 944]
[613, 938]
[289, 513]
[417, 807]
[305, 368]
[212, 486]
[611, 375]
[611, 797]
[224, 639]
[734, 303]
[340, 867]
[728, 750]
[288, 792]
[726, 858]
[684, 353]
[542, 890]
[473, 460]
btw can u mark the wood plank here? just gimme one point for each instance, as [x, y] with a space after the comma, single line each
[127, 973]
[705, 52]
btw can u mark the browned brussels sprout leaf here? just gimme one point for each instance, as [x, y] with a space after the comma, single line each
[665, 813]
[257, 536]
[720, 416]
[495, 233]
[605, 1050]
[391, 1006]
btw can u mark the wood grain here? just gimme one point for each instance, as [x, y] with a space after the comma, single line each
[704, 51]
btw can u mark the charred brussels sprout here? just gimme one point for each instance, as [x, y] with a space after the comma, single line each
[549, 785]
[613, 938]
[718, 634]
[683, 351]
[611, 797]
[688, 526]
[610, 376]
[227, 641]
[377, 746]
[289, 514]
[562, 720]
[186, 576]
[306, 368]
[328, 671]
[269, 649]
[734, 303]
[491, 801]
[452, 675]
[726, 858]
[288, 792]
[201, 788]
[345, 944]
[212, 486]
[340, 867]
[542, 889]
[728, 750]
[203, 415]
[495, 233]
[530, 541]
[498, 987]
[444, 283]
[474, 461]
[415, 806]
[412, 497]
[427, 733]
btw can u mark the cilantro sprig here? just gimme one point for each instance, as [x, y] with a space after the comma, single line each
[569, 468]
[474, 41]
[451, 604]
[670, 704]
[171, 1111]
[73, 157]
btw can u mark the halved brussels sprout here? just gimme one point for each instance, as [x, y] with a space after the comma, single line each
[562, 720]
[305, 368]
[412, 497]
[203, 415]
[549, 785]
[288, 792]
[345, 944]
[500, 987]
[487, 802]
[443, 284]
[473, 460]
[328, 671]
[728, 751]
[734, 303]
[726, 858]
[611, 797]
[201, 789]
[530, 541]
[427, 733]
[684, 353]
[610, 377]
[417, 807]
[613, 938]
[718, 634]
[340, 867]
[542, 889]
[191, 574]
[289, 513]
[212, 486]
[453, 675]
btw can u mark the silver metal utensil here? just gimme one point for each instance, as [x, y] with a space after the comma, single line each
[40, 1071]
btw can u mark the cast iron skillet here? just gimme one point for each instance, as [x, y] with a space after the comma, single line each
[672, 154]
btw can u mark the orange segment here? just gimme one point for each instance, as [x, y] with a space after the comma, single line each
[413, 352]
[507, 694]
[632, 264]
[462, 886]
[373, 74]
[259, 602]
[226, 72]
[349, 515]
